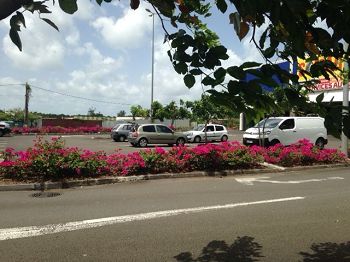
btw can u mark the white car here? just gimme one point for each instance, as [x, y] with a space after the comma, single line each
[214, 133]
[287, 130]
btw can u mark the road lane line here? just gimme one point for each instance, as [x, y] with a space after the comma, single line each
[249, 181]
[32, 231]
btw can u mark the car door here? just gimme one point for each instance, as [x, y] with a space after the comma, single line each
[126, 130]
[219, 131]
[210, 132]
[288, 134]
[165, 134]
[149, 131]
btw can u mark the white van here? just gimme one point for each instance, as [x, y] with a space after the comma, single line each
[287, 130]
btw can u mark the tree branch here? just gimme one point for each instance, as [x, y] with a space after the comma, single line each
[161, 20]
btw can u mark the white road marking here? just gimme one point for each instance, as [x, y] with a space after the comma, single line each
[68, 136]
[249, 181]
[32, 231]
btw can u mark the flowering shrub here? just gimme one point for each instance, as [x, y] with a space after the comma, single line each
[51, 160]
[60, 130]
[299, 154]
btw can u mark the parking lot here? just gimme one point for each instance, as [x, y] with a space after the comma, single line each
[96, 142]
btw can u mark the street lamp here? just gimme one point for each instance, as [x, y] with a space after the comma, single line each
[152, 80]
[345, 111]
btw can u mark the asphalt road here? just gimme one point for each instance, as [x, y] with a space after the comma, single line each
[296, 216]
[105, 143]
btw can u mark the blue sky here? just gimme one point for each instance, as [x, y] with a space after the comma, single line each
[101, 53]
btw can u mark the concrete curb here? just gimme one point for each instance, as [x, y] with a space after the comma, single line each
[113, 180]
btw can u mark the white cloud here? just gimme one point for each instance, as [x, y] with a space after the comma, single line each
[43, 46]
[129, 31]
[38, 52]
[73, 38]
[86, 10]
[11, 93]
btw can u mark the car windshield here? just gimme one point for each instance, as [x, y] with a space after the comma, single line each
[198, 128]
[116, 127]
[268, 123]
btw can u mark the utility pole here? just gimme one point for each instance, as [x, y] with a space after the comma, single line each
[26, 105]
[345, 110]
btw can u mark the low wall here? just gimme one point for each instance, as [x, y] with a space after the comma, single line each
[75, 123]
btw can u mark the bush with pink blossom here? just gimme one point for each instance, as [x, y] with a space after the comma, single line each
[300, 154]
[51, 160]
[60, 130]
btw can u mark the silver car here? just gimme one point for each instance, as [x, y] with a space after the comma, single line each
[155, 134]
[121, 132]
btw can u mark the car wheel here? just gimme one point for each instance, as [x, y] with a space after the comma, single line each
[115, 139]
[122, 138]
[143, 142]
[274, 142]
[224, 138]
[1, 133]
[180, 141]
[197, 139]
[320, 143]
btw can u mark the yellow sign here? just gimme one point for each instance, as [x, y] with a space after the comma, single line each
[324, 84]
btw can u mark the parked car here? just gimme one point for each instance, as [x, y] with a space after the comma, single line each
[287, 130]
[214, 132]
[155, 134]
[121, 132]
[4, 128]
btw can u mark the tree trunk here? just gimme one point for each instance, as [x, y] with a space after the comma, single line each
[205, 132]
[7, 7]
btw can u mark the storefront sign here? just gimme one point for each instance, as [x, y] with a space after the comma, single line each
[324, 84]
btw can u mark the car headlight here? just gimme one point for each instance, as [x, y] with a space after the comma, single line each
[190, 134]
[267, 132]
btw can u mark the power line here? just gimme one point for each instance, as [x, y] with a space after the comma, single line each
[12, 84]
[68, 95]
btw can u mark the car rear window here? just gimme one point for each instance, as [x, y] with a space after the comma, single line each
[149, 128]
[127, 127]
[219, 128]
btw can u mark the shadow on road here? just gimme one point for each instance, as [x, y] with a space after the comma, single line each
[243, 249]
[328, 252]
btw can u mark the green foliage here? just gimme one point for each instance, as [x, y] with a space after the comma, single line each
[121, 113]
[157, 111]
[68, 6]
[205, 109]
[290, 30]
[92, 112]
[17, 115]
[138, 111]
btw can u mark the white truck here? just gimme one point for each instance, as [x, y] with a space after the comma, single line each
[287, 130]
